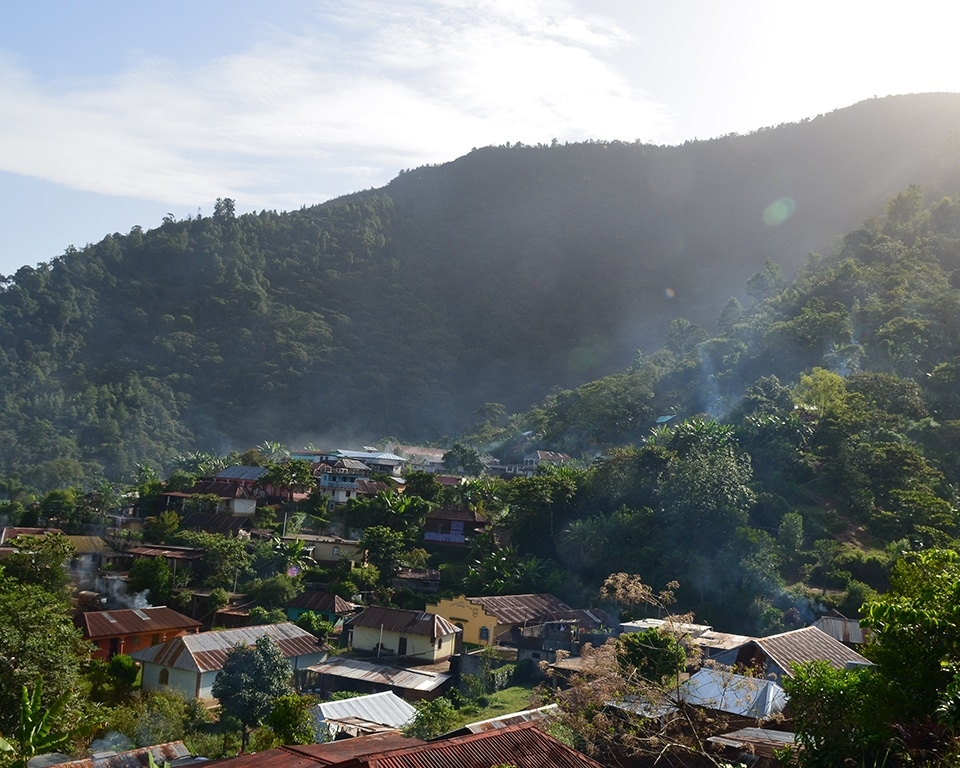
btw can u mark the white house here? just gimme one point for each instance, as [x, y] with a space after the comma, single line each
[189, 664]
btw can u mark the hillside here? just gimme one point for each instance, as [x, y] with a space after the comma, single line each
[400, 311]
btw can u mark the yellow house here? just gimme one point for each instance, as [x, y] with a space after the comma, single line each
[394, 633]
[483, 619]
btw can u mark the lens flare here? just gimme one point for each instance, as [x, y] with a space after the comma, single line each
[669, 293]
[779, 211]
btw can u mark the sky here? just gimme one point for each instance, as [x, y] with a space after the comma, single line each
[116, 114]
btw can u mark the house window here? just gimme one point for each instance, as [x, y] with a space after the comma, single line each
[336, 551]
[164, 677]
[484, 634]
[402, 647]
[155, 639]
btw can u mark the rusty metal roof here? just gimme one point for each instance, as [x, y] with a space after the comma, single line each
[406, 622]
[91, 545]
[517, 609]
[522, 745]
[504, 721]
[336, 752]
[132, 621]
[800, 646]
[207, 651]
[756, 741]
[171, 553]
[326, 602]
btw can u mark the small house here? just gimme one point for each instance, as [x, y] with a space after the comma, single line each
[131, 629]
[414, 636]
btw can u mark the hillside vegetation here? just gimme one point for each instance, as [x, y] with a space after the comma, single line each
[402, 311]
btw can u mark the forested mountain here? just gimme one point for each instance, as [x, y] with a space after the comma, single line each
[492, 279]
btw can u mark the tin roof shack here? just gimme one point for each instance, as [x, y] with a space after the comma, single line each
[130, 629]
[711, 644]
[416, 637]
[189, 664]
[839, 627]
[345, 674]
[373, 713]
[775, 656]
[330, 753]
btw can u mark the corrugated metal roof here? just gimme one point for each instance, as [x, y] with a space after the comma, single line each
[410, 679]
[843, 629]
[736, 694]
[132, 621]
[517, 609]
[383, 708]
[800, 646]
[174, 752]
[171, 553]
[406, 622]
[237, 472]
[323, 601]
[522, 746]
[11, 533]
[207, 651]
[504, 721]
[370, 455]
[91, 545]
[335, 752]
[757, 741]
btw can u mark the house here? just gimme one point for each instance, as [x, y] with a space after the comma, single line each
[191, 663]
[552, 458]
[329, 753]
[91, 554]
[176, 558]
[131, 629]
[414, 636]
[379, 462]
[417, 579]
[421, 459]
[483, 619]
[775, 656]
[237, 487]
[345, 674]
[450, 524]
[331, 549]
[330, 607]
[373, 713]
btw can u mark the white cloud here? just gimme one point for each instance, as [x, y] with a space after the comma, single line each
[341, 104]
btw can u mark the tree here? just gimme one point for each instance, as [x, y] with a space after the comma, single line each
[40, 560]
[291, 720]
[159, 529]
[316, 625]
[38, 642]
[251, 680]
[153, 576]
[463, 458]
[433, 718]
[653, 654]
[384, 548]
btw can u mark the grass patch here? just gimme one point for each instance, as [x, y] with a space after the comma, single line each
[513, 699]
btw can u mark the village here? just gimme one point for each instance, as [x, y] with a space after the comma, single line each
[375, 666]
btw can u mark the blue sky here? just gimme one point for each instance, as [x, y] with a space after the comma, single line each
[118, 113]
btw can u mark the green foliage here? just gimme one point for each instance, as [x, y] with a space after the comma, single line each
[833, 721]
[433, 718]
[384, 548]
[652, 654]
[151, 575]
[41, 561]
[251, 680]
[291, 719]
[36, 629]
[315, 625]
[40, 728]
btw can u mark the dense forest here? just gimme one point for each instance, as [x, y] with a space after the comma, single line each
[404, 310]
